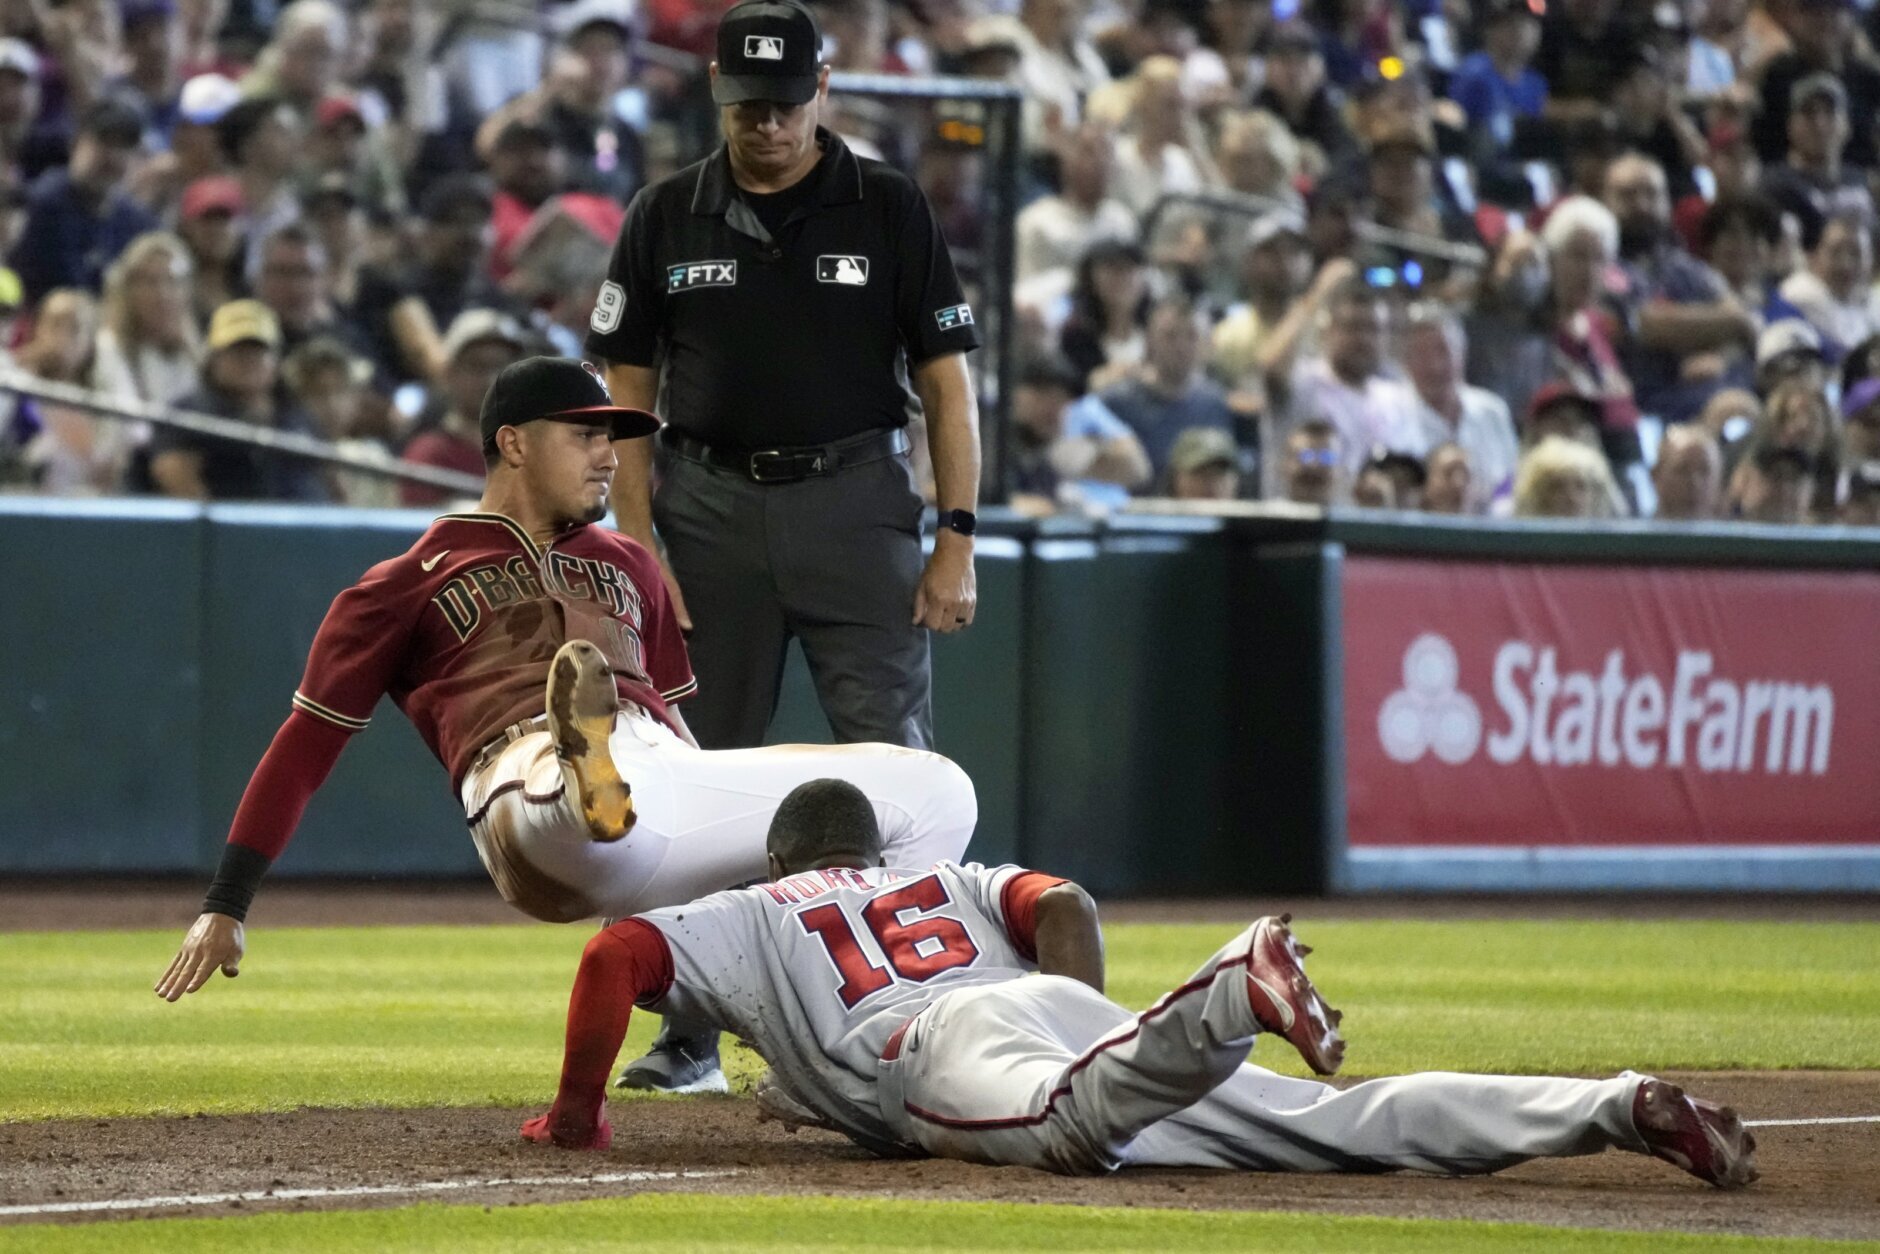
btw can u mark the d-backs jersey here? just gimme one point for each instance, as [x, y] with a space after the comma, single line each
[819, 969]
[460, 630]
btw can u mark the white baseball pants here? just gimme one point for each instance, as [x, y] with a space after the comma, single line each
[703, 816]
[1046, 1072]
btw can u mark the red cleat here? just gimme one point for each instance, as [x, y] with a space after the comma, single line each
[542, 1132]
[1284, 1001]
[1703, 1138]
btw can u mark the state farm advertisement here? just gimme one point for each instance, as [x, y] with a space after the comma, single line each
[1527, 704]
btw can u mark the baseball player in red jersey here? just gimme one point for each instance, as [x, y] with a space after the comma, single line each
[539, 658]
[891, 1006]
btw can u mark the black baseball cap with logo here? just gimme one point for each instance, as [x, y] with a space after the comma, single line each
[767, 50]
[560, 390]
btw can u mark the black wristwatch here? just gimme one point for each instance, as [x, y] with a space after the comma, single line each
[963, 521]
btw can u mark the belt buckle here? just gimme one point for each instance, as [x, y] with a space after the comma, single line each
[794, 461]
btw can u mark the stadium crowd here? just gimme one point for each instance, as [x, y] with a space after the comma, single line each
[1568, 258]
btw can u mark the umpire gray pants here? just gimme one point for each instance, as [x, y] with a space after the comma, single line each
[833, 561]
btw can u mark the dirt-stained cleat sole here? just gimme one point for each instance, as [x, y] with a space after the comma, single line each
[1701, 1137]
[582, 705]
[1284, 1000]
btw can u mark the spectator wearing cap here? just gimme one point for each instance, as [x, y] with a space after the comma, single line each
[294, 279]
[149, 347]
[1346, 383]
[1450, 411]
[1160, 152]
[261, 137]
[1204, 465]
[1834, 292]
[1055, 231]
[1789, 349]
[1682, 323]
[195, 144]
[1297, 92]
[333, 385]
[1812, 180]
[1822, 42]
[1561, 412]
[1401, 185]
[241, 381]
[401, 308]
[1279, 308]
[1451, 485]
[478, 345]
[1110, 299]
[79, 218]
[339, 141]
[1498, 86]
[527, 168]
[1069, 449]
[331, 208]
[1687, 478]
[560, 259]
[209, 220]
[1562, 478]
[1169, 392]
[575, 104]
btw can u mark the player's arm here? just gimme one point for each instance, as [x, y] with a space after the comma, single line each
[1069, 939]
[626, 964]
[1054, 922]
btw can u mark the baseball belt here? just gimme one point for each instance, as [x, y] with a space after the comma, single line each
[794, 463]
[503, 739]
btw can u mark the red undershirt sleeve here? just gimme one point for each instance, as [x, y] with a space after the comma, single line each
[624, 965]
[1019, 903]
[290, 772]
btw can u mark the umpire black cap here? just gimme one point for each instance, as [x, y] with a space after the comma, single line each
[560, 390]
[767, 50]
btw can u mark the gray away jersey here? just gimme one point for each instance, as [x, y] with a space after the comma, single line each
[817, 971]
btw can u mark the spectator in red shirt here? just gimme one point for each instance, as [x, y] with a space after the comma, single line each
[476, 348]
[527, 168]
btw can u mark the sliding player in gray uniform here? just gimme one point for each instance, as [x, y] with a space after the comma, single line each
[893, 1006]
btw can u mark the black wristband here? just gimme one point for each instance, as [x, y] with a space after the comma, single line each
[236, 880]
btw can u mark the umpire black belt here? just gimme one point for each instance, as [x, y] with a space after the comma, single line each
[790, 464]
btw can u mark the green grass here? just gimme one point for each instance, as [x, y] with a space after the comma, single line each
[429, 1016]
[657, 1222]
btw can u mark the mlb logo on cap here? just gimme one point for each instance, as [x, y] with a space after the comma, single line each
[763, 48]
[767, 50]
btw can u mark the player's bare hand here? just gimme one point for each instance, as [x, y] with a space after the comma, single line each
[214, 943]
[948, 595]
[551, 1129]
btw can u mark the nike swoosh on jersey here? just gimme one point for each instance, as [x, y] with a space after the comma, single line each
[434, 559]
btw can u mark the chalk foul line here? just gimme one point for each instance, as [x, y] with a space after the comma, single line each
[358, 1190]
[1807, 1123]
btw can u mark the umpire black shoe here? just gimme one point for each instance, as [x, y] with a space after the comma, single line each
[582, 703]
[677, 1063]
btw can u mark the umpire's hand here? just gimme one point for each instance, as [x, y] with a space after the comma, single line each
[214, 940]
[947, 596]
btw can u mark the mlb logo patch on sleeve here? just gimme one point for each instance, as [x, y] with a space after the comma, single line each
[763, 47]
[954, 316]
[849, 271]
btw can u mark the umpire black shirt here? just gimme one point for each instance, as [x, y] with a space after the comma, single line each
[788, 334]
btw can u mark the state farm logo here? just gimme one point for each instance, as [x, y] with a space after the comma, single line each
[1552, 715]
[1429, 715]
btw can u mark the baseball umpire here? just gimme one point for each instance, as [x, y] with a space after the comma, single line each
[781, 295]
[540, 660]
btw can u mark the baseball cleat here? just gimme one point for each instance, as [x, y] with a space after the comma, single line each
[1284, 1001]
[677, 1064]
[582, 703]
[1703, 1138]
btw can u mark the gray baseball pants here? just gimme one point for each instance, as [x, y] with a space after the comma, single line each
[1046, 1072]
[833, 561]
